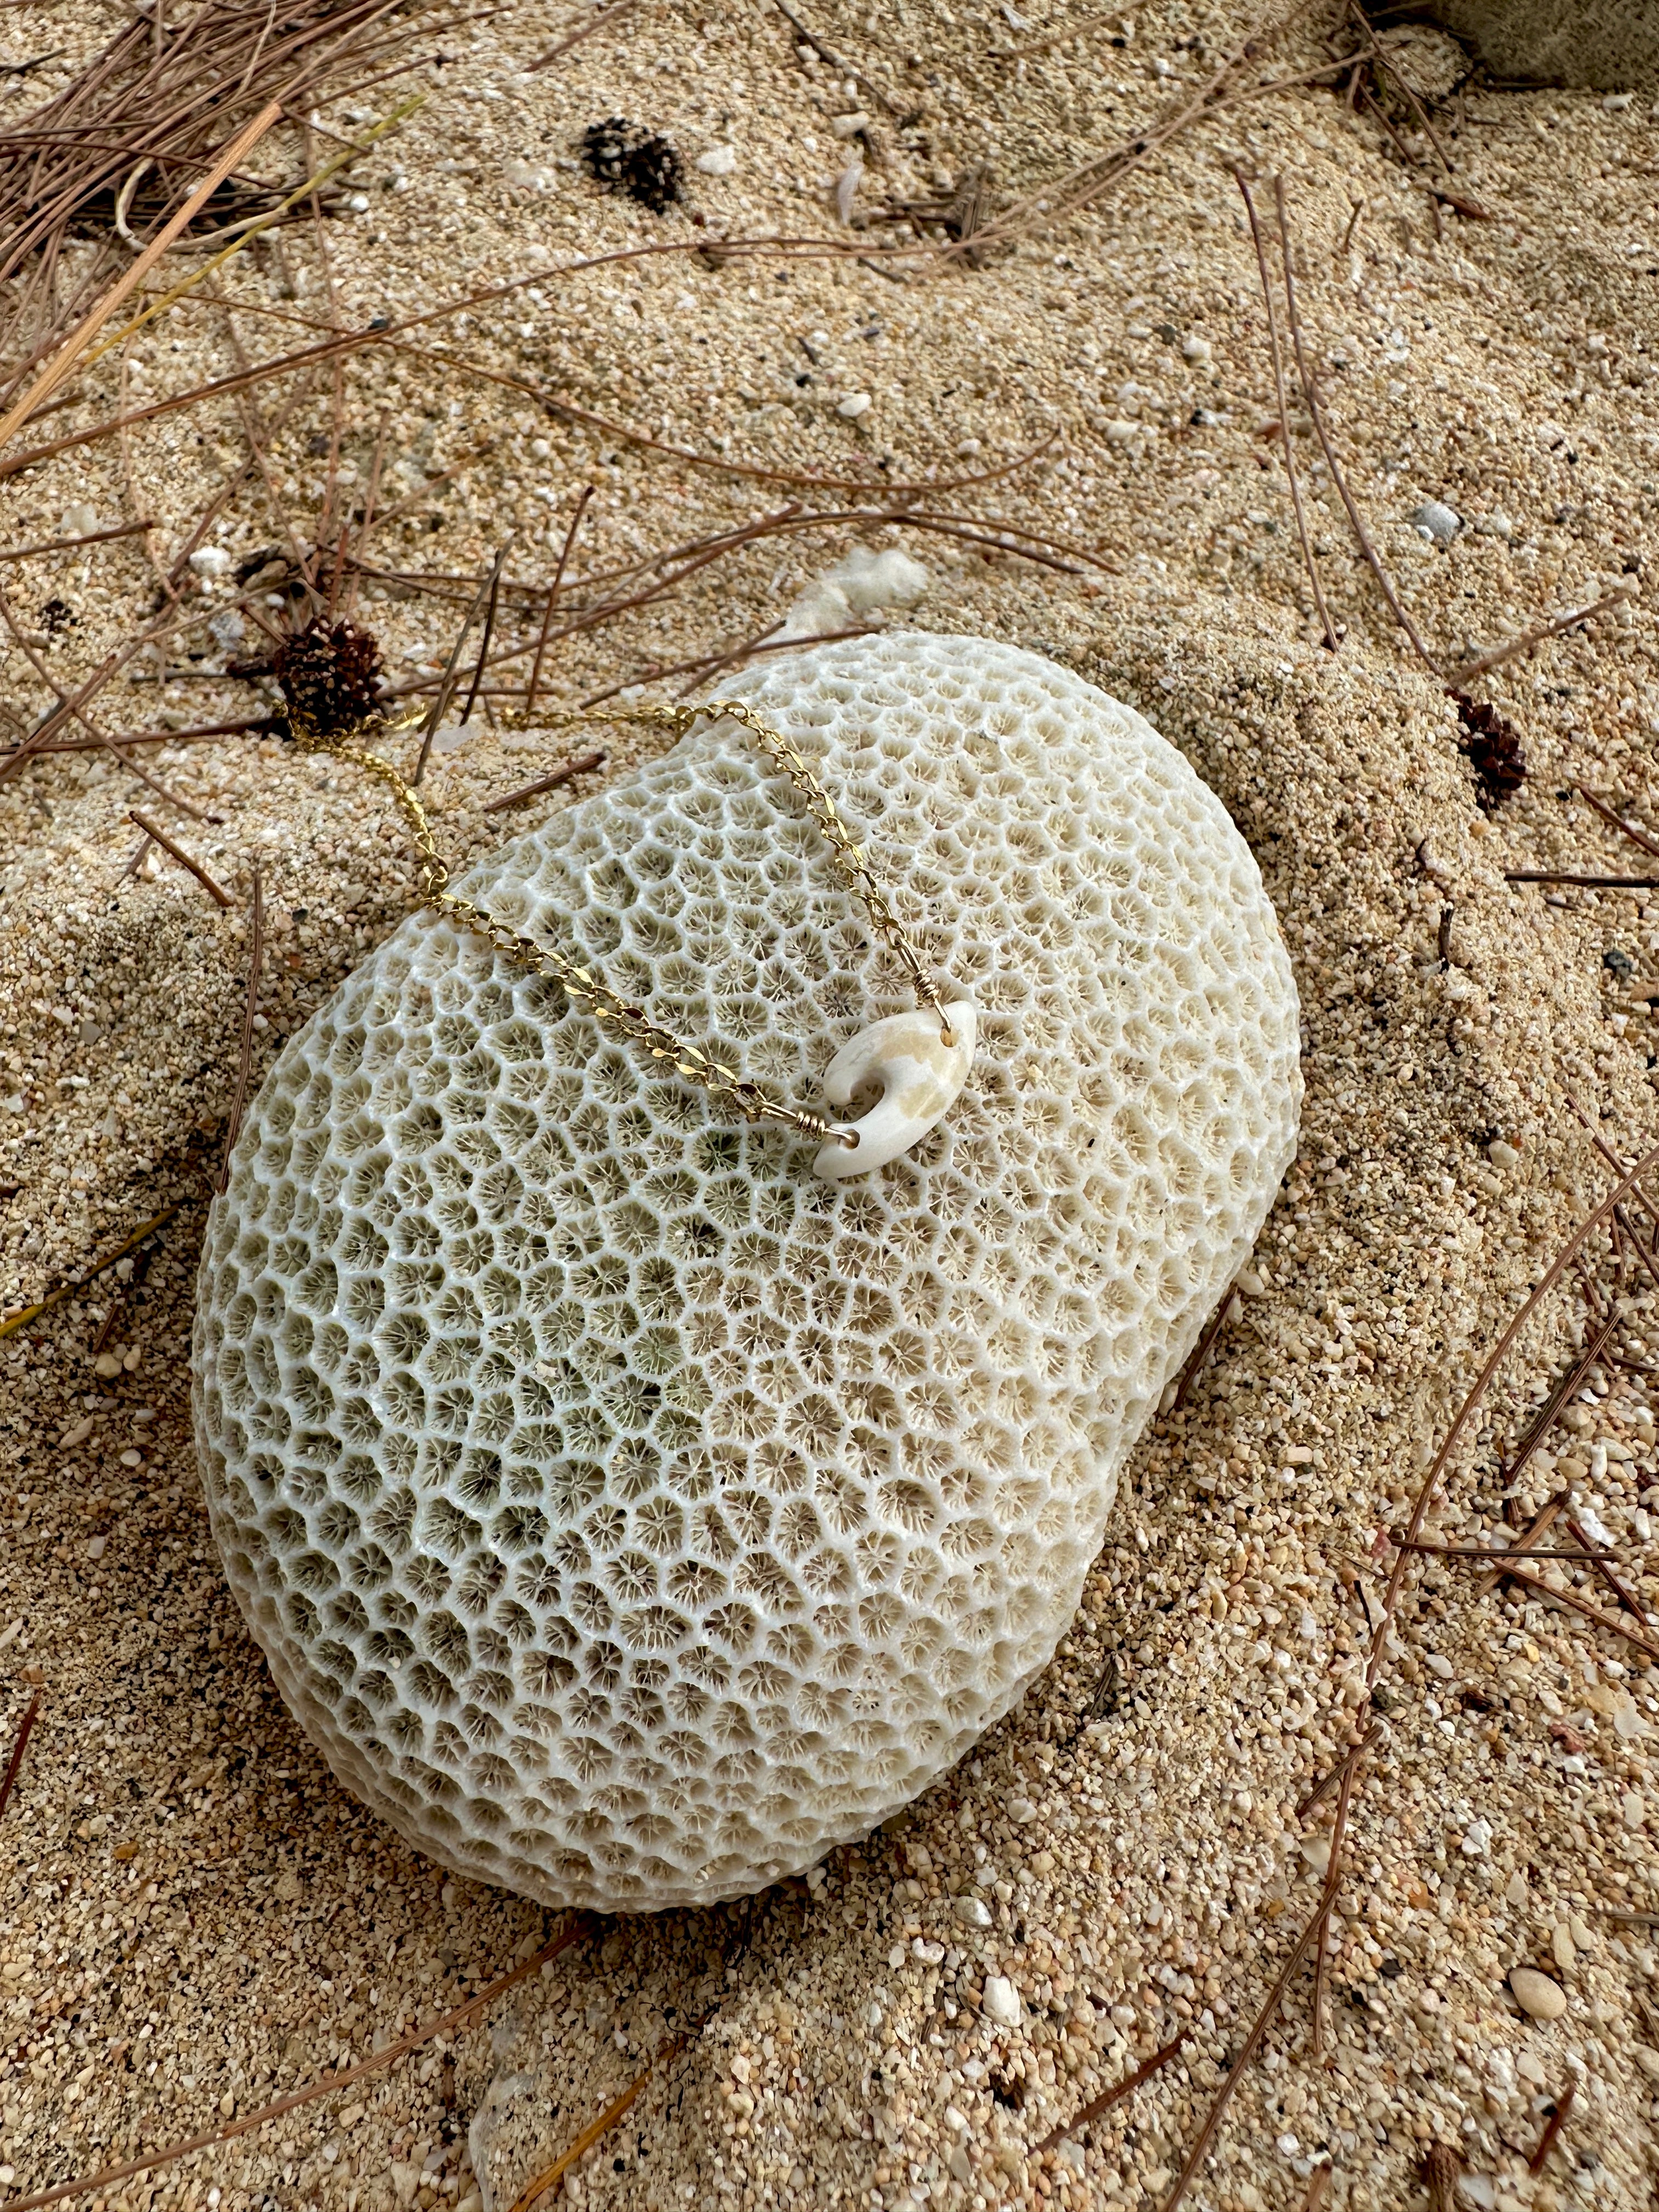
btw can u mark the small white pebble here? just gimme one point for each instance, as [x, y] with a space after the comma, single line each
[1537, 1995]
[974, 1912]
[848, 126]
[1437, 520]
[1437, 1664]
[79, 522]
[718, 161]
[1196, 349]
[856, 404]
[1615, 102]
[211, 561]
[1001, 2002]
[1502, 1155]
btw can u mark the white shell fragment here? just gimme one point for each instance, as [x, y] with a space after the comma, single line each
[920, 1077]
[627, 1513]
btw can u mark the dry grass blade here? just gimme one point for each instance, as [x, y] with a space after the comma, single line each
[1284, 414]
[1527, 639]
[95, 735]
[705, 663]
[1583, 882]
[1626, 828]
[1314, 1931]
[1108, 2098]
[1571, 1600]
[1202, 1350]
[1598, 1556]
[551, 2176]
[256, 953]
[1310, 396]
[64, 361]
[69, 544]
[201, 733]
[833, 60]
[606, 20]
[1556, 2121]
[1063, 38]
[221, 896]
[553, 591]
[1066, 195]
[25, 1315]
[375, 2062]
[582, 767]
[1500, 1351]
[446, 685]
[1549, 1412]
[18, 1747]
[489, 632]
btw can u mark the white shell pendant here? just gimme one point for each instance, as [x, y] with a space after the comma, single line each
[921, 1076]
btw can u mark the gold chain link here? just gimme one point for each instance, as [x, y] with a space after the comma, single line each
[591, 990]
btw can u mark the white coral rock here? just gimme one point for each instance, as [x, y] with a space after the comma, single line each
[627, 1513]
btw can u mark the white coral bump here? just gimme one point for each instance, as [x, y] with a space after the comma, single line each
[629, 1513]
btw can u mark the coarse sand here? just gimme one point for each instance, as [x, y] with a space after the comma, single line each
[195, 1918]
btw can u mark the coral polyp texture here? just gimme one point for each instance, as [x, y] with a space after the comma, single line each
[627, 1513]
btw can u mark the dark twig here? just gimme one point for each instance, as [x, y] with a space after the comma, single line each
[1108, 2098]
[18, 1748]
[1556, 2121]
[582, 498]
[1201, 1351]
[1277, 353]
[559, 775]
[222, 897]
[1310, 394]
[256, 953]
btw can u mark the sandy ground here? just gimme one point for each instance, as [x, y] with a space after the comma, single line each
[194, 1918]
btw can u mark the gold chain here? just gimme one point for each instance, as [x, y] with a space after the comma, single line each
[592, 991]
